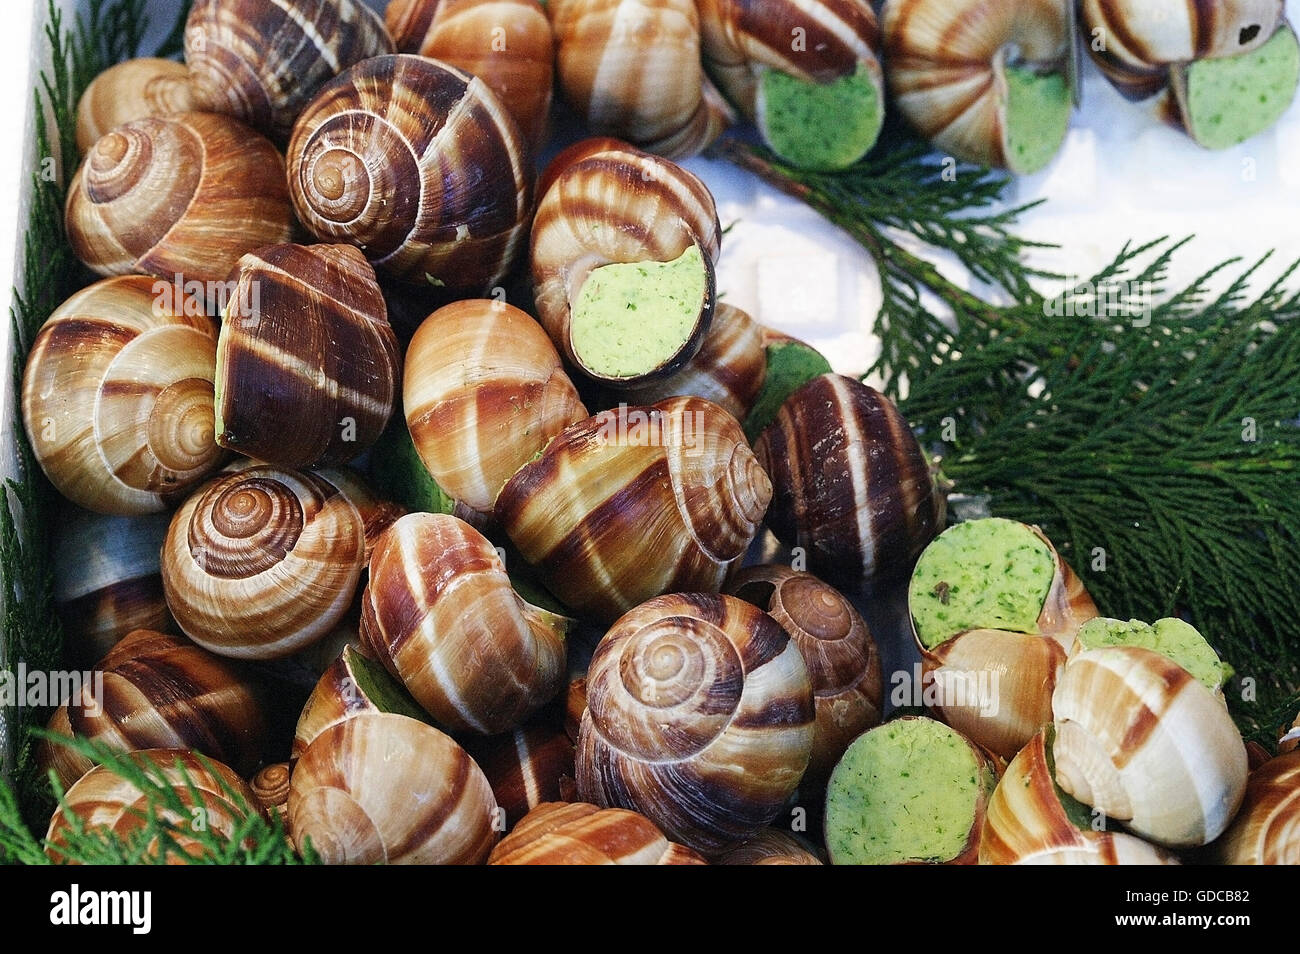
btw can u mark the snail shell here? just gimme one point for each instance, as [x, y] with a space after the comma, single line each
[162, 692]
[117, 398]
[307, 364]
[484, 392]
[948, 62]
[1267, 829]
[105, 801]
[182, 195]
[107, 579]
[270, 788]
[631, 68]
[636, 502]
[1028, 823]
[420, 166]
[771, 846]
[699, 716]
[382, 788]
[841, 655]
[729, 369]
[506, 43]
[440, 614]
[559, 833]
[529, 766]
[135, 89]
[1141, 740]
[262, 562]
[850, 483]
[611, 203]
[262, 60]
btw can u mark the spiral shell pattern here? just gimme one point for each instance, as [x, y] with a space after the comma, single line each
[308, 364]
[616, 204]
[484, 392]
[699, 716]
[946, 59]
[182, 195]
[263, 562]
[836, 645]
[636, 502]
[850, 483]
[420, 166]
[117, 399]
[382, 788]
[440, 614]
[560, 833]
[632, 69]
[262, 60]
[135, 89]
[104, 801]
[506, 43]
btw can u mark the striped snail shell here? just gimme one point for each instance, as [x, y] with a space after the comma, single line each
[419, 165]
[806, 72]
[440, 614]
[841, 655]
[182, 195]
[729, 369]
[262, 562]
[850, 484]
[636, 502]
[1029, 823]
[163, 692]
[117, 398]
[631, 68]
[270, 787]
[352, 684]
[135, 89]
[611, 204]
[107, 579]
[104, 801]
[991, 668]
[771, 846]
[262, 60]
[560, 833]
[484, 392]
[962, 71]
[382, 788]
[307, 364]
[528, 766]
[1141, 740]
[699, 716]
[1267, 829]
[506, 43]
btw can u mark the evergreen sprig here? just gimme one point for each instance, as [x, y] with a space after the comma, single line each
[1153, 433]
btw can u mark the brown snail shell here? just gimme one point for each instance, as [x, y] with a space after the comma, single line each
[506, 43]
[843, 662]
[107, 580]
[382, 788]
[1027, 823]
[771, 846]
[162, 692]
[104, 800]
[262, 60]
[636, 502]
[440, 613]
[420, 166]
[270, 787]
[484, 392]
[850, 484]
[134, 89]
[528, 766]
[117, 398]
[610, 203]
[262, 562]
[1267, 829]
[699, 716]
[307, 364]
[631, 68]
[182, 195]
[560, 833]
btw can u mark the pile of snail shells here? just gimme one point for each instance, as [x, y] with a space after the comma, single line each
[206, 408]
